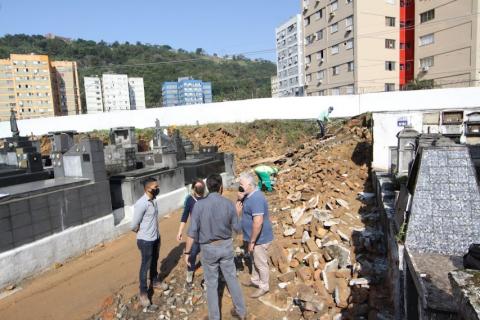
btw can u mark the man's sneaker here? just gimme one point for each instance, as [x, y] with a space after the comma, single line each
[249, 284]
[189, 276]
[235, 315]
[144, 301]
[258, 293]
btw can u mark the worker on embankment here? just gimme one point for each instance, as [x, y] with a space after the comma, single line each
[264, 174]
[322, 119]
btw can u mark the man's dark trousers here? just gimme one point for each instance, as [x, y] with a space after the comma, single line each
[149, 251]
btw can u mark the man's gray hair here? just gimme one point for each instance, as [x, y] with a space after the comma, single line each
[249, 178]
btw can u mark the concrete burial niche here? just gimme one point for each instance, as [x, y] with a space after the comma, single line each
[127, 187]
[79, 193]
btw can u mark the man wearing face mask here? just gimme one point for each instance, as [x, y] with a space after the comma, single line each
[145, 224]
[198, 192]
[257, 232]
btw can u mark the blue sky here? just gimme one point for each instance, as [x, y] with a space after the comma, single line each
[218, 26]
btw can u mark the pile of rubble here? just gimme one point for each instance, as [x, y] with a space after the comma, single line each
[328, 253]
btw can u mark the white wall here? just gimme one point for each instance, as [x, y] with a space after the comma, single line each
[385, 131]
[250, 110]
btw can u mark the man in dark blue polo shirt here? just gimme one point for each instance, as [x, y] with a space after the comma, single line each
[257, 232]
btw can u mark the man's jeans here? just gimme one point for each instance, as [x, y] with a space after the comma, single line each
[149, 251]
[215, 257]
[192, 258]
[321, 125]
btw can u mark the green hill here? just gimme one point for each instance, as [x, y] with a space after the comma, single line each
[235, 78]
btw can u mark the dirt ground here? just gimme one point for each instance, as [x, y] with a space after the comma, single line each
[78, 289]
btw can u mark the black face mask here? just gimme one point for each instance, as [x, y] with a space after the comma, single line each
[155, 192]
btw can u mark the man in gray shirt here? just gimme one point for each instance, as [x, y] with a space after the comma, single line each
[145, 224]
[212, 223]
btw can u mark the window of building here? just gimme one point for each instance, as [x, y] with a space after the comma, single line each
[402, 67]
[390, 65]
[390, 21]
[308, 59]
[318, 15]
[350, 66]
[389, 86]
[306, 21]
[321, 75]
[390, 43]
[349, 21]
[320, 35]
[335, 91]
[349, 44]
[336, 70]
[427, 39]
[334, 6]
[348, 1]
[427, 16]
[334, 28]
[426, 62]
[334, 49]
[309, 77]
[349, 89]
[320, 55]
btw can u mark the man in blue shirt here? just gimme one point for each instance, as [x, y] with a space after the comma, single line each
[257, 232]
[212, 224]
[145, 224]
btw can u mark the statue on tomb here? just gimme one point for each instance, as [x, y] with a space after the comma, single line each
[111, 136]
[13, 123]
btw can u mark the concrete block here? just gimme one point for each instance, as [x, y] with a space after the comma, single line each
[21, 220]
[4, 211]
[5, 225]
[38, 202]
[19, 207]
[39, 214]
[42, 229]
[22, 235]
[72, 217]
[5, 246]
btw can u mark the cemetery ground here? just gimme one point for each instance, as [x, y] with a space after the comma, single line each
[327, 260]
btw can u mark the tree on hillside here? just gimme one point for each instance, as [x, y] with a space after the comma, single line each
[231, 80]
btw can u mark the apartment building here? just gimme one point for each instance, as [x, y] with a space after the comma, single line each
[93, 94]
[274, 86]
[67, 89]
[27, 84]
[137, 93]
[351, 46]
[36, 87]
[186, 91]
[447, 44]
[170, 94]
[116, 95]
[290, 67]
